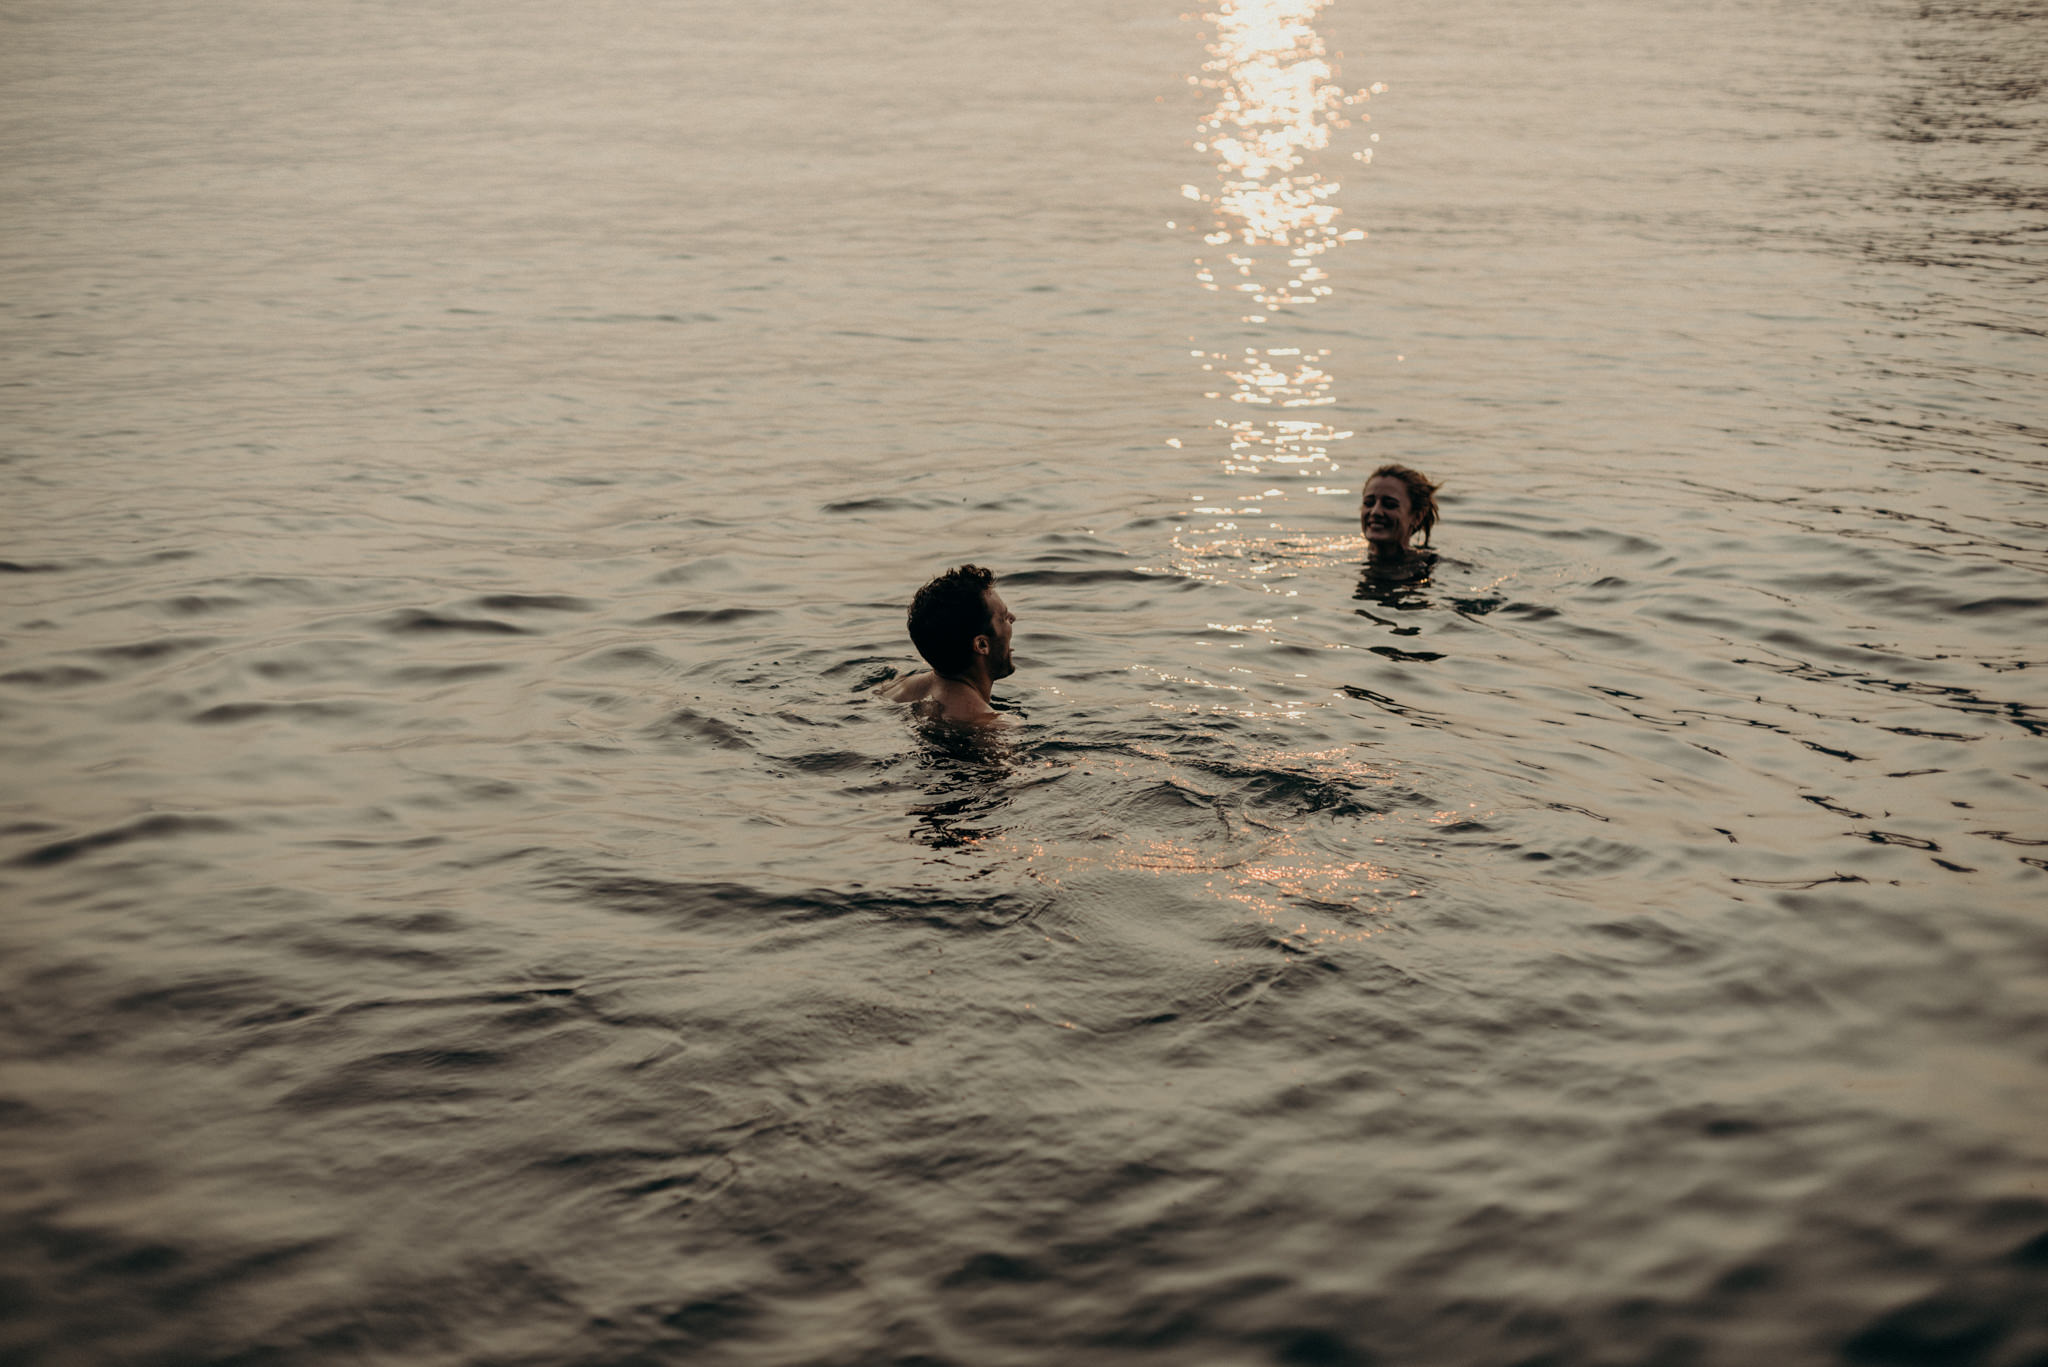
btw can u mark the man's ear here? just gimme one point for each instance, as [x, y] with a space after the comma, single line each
[983, 645]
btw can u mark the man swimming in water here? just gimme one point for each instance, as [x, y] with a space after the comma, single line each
[962, 628]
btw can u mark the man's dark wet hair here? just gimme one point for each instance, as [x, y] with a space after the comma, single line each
[948, 614]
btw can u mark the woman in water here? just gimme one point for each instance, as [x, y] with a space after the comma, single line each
[1398, 505]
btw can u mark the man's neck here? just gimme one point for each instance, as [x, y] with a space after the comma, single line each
[977, 682]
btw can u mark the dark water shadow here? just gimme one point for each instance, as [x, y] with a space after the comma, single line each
[1401, 588]
[1397, 587]
[964, 771]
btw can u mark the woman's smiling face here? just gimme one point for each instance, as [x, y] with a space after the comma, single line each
[1385, 515]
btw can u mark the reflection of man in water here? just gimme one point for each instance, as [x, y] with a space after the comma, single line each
[962, 628]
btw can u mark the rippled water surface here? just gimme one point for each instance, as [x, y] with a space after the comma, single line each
[465, 466]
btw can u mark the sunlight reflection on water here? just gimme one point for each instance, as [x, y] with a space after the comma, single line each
[1274, 227]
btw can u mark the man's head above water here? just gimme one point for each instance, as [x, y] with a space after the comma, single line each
[957, 621]
[961, 626]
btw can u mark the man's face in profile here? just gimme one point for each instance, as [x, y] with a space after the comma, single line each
[1001, 619]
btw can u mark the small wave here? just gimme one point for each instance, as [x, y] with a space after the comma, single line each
[711, 566]
[883, 504]
[622, 659]
[2023, 715]
[1618, 543]
[700, 617]
[1399, 709]
[688, 723]
[415, 621]
[867, 671]
[55, 676]
[1940, 603]
[1894, 838]
[157, 648]
[1652, 942]
[279, 588]
[888, 336]
[405, 1075]
[615, 318]
[1934, 1329]
[1828, 804]
[831, 762]
[118, 1264]
[236, 998]
[532, 602]
[199, 604]
[994, 1269]
[2009, 838]
[1071, 578]
[1798, 884]
[164, 826]
[2002, 605]
[231, 712]
[444, 673]
[684, 904]
[1299, 794]
[1588, 857]
[1168, 802]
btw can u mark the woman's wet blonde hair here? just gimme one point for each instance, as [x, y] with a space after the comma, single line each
[1421, 495]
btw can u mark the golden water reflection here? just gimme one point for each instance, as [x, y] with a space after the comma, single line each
[1277, 102]
[1275, 129]
[1311, 882]
[1274, 218]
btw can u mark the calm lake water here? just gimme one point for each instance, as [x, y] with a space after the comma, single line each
[465, 466]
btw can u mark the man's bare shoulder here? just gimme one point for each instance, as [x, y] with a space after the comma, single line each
[909, 688]
[936, 699]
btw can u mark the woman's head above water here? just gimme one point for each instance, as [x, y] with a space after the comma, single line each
[1398, 503]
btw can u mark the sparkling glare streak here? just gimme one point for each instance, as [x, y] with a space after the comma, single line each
[1276, 103]
[1271, 564]
[1274, 219]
